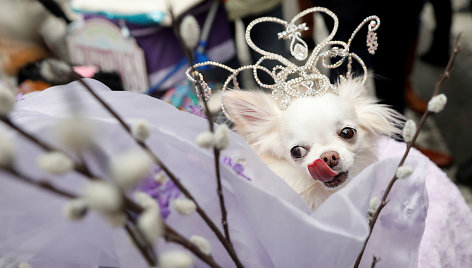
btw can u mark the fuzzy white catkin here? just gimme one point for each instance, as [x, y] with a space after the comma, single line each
[75, 209]
[409, 130]
[7, 152]
[56, 163]
[129, 168]
[373, 205]
[145, 201]
[75, 132]
[149, 222]
[184, 206]
[403, 172]
[205, 139]
[7, 100]
[175, 259]
[190, 31]
[103, 197]
[202, 243]
[140, 129]
[437, 103]
[221, 137]
[215, 101]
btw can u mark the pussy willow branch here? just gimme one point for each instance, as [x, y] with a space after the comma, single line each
[410, 144]
[82, 169]
[226, 244]
[216, 152]
[146, 250]
[147, 253]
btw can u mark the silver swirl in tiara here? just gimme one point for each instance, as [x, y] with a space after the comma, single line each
[308, 80]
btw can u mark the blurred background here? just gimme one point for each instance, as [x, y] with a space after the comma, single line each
[130, 45]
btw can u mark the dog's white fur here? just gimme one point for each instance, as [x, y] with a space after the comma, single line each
[315, 123]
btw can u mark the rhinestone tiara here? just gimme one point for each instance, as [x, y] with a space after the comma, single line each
[305, 80]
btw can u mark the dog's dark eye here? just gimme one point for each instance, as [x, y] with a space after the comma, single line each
[298, 152]
[347, 133]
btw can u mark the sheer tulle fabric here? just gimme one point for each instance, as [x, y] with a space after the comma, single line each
[270, 225]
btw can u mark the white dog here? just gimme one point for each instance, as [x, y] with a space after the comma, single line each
[318, 143]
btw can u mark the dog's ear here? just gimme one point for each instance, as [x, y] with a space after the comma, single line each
[374, 117]
[254, 113]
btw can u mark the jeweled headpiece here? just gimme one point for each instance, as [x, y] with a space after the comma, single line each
[294, 81]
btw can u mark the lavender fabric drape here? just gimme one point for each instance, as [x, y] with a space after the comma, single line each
[270, 224]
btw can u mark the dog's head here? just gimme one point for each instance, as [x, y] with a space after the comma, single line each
[324, 139]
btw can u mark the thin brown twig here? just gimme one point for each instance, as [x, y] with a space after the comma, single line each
[77, 166]
[43, 184]
[200, 92]
[410, 144]
[216, 153]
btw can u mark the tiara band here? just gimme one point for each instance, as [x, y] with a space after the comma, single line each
[308, 80]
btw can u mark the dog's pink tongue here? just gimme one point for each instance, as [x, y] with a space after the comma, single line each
[320, 171]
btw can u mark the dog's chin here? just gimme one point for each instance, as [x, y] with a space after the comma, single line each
[337, 182]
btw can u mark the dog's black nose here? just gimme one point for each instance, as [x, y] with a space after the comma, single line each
[331, 158]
